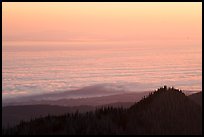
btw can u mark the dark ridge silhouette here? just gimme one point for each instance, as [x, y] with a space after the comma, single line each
[197, 97]
[164, 111]
[12, 115]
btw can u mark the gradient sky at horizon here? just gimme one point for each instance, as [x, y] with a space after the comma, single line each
[102, 22]
[62, 46]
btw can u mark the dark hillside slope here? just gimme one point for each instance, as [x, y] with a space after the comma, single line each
[165, 111]
[196, 97]
[12, 115]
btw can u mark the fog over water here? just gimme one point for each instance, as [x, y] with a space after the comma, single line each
[38, 69]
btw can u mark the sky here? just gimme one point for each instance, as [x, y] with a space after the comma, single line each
[90, 22]
[140, 35]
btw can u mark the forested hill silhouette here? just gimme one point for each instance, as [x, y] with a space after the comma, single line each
[164, 111]
[167, 111]
[197, 98]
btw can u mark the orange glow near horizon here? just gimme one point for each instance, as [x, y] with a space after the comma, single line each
[50, 47]
[103, 22]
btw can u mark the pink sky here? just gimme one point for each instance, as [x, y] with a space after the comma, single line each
[103, 22]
